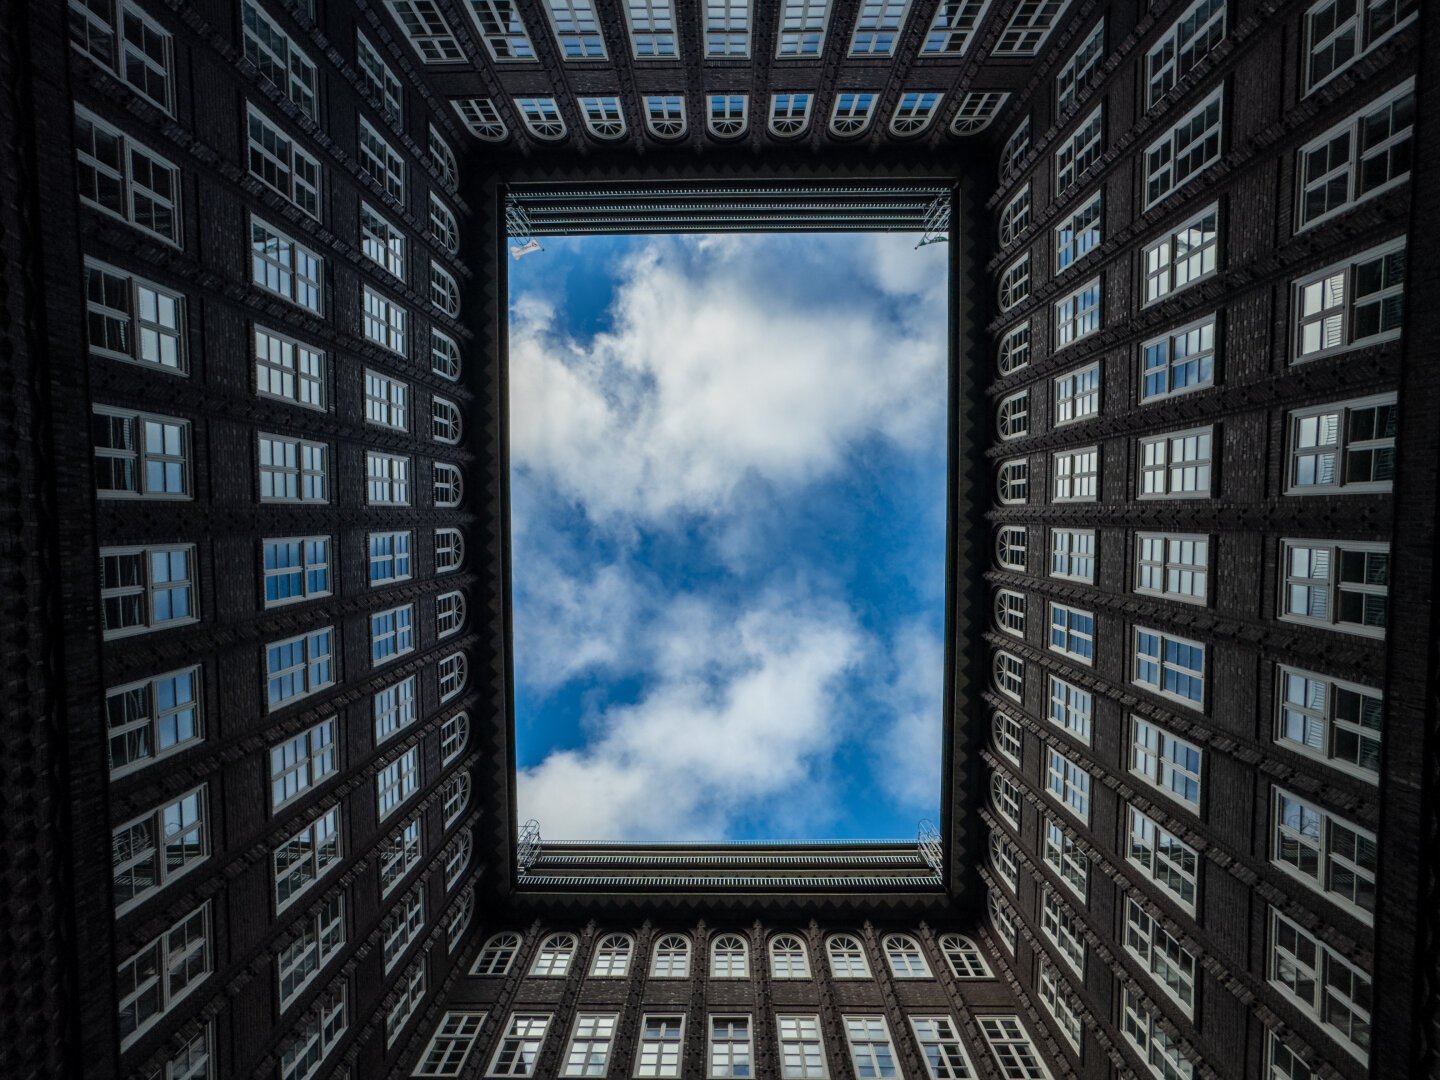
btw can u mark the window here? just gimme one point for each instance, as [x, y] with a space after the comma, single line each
[380, 162]
[788, 958]
[542, 117]
[151, 982]
[448, 487]
[150, 852]
[1015, 218]
[289, 370]
[1188, 148]
[384, 321]
[1072, 554]
[128, 318]
[450, 672]
[941, 1047]
[1077, 475]
[661, 1040]
[1077, 316]
[802, 28]
[730, 1051]
[400, 855]
[1055, 994]
[443, 158]
[1339, 32]
[481, 118]
[671, 957]
[914, 112]
[278, 162]
[306, 857]
[1158, 1050]
[1013, 415]
[318, 1032]
[1071, 709]
[404, 923]
[1006, 1035]
[1079, 151]
[193, 1062]
[1010, 612]
[292, 470]
[1005, 798]
[1069, 783]
[977, 110]
[1186, 254]
[456, 857]
[455, 797]
[128, 43]
[381, 242]
[1161, 954]
[652, 28]
[1347, 447]
[1002, 920]
[591, 1042]
[290, 270]
[1014, 150]
[1352, 305]
[432, 39]
[1015, 349]
[1002, 861]
[1175, 566]
[729, 957]
[1005, 734]
[1164, 858]
[665, 115]
[1014, 481]
[603, 117]
[502, 29]
[451, 1045]
[519, 1048]
[394, 708]
[146, 588]
[1331, 720]
[847, 957]
[1077, 395]
[1189, 40]
[1029, 26]
[1167, 763]
[1011, 547]
[1078, 234]
[1367, 154]
[301, 763]
[1339, 586]
[1333, 992]
[295, 568]
[964, 957]
[877, 27]
[298, 667]
[789, 113]
[1072, 632]
[905, 958]
[727, 28]
[152, 718]
[727, 114]
[454, 735]
[280, 62]
[1010, 675]
[612, 957]
[954, 25]
[389, 557]
[1015, 283]
[140, 455]
[1330, 854]
[449, 614]
[387, 479]
[322, 936]
[853, 111]
[386, 401]
[1063, 855]
[497, 955]
[1284, 1063]
[412, 992]
[126, 179]
[871, 1051]
[449, 550]
[802, 1052]
[1179, 362]
[444, 291]
[444, 355]
[1083, 63]
[577, 31]
[1176, 465]
[377, 79]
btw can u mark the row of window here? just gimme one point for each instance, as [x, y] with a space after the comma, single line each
[299, 568]
[730, 1045]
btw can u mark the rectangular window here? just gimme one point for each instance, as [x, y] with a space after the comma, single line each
[1081, 149]
[1030, 24]
[381, 163]
[1188, 253]
[1189, 40]
[1157, 1049]
[730, 1052]
[140, 455]
[1191, 146]
[377, 78]
[1011, 1045]
[1063, 855]
[428, 33]
[1005, 798]
[1333, 856]
[1340, 586]
[128, 43]
[298, 667]
[1055, 994]
[289, 370]
[320, 1029]
[1016, 217]
[1078, 315]
[381, 242]
[1069, 783]
[661, 1042]
[1335, 994]
[652, 28]
[591, 1043]
[412, 992]
[389, 557]
[404, 923]
[802, 1053]
[147, 588]
[322, 936]
[1006, 733]
[1167, 763]
[126, 179]
[279, 61]
[1164, 858]
[519, 1047]
[727, 28]
[1077, 475]
[128, 318]
[151, 851]
[292, 470]
[577, 31]
[1343, 448]
[152, 718]
[941, 1047]
[290, 270]
[387, 479]
[1339, 32]
[1014, 150]
[1330, 720]
[1178, 362]
[278, 162]
[502, 29]
[392, 634]
[1358, 159]
[295, 568]
[1077, 395]
[1171, 666]
[443, 158]
[451, 1045]
[1173, 565]
[383, 321]
[871, 1051]
[802, 31]
[302, 762]
[1072, 632]
[454, 734]
[1176, 465]
[1072, 554]
[1353, 305]
[1083, 63]
[1169, 963]
[1071, 709]
[155, 979]
[386, 401]
[1062, 928]
[877, 27]
[1078, 234]
[1002, 861]
[306, 857]
[400, 855]
[394, 709]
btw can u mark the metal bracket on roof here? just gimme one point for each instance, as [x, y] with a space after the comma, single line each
[517, 227]
[527, 847]
[932, 850]
[937, 222]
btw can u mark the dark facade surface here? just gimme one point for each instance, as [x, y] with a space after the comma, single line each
[258, 776]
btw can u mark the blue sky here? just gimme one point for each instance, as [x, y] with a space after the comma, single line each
[728, 522]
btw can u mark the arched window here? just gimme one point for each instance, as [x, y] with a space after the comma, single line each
[1014, 484]
[1005, 734]
[455, 797]
[449, 487]
[905, 958]
[964, 957]
[444, 355]
[729, 115]
[789, 113]
[1013, 416]
[1009, 675]
[671, 957]
[451, 672]
[445, 420]
[915, 111]
[497, 955]
[788, 959]
[729, 957]
[1002, 861]
[1002, 921]
[665, 115]
[1005, 798]
[977, 110]
[542, 117]
[1015, 349]
[444, 292]
[459, 920]
[454, 734]
[554, 956]
[449, 550]
[1010, 612]
[603, 117]
[443, 226]
[1012, 547]
[1015, 218]
[449, 613]
[847, 957]
[457, 857]
[853, 111]
[612, 957]
[443, 159]
[1015, 282]
[481, 118]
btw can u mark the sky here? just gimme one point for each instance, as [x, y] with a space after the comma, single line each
[728, 535]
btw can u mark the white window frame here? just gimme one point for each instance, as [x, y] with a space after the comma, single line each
[480, 116]
[603, 116]
[1322, 606]
[592, 1042]
[1080, 233]
[785, 122]
[155, 443]
[451, 1045]
[1072, 709]
[1075, 76]
[290, 370]
[652, 29]
[670, 957]
[138, 321]
[801, 1047]
[1185, 255]
[1314, 701]
[314, 557]
[276, 159]
[101, 184]
[1303, 832]
[1325, 149]
[127, 43]
[167, 597]
[1322, 442]
[614, 954]
[1012, 415]
[162, 973]
[660, 1044]
[449, 550]
[1064, 855]
[150, 852]
[1016, 217]
[1323, 971]
[387, 401]
[1079, 150]
[1076, 395]
[1172, 967]
[1075, 474]
[872, 1051]
[1177, 465]
[381, 242]
[1166, 763]
[1009, 674]
[380, 162]
[318, 850]
[1354, 30]
[498, 954]
[914, 112]
[1014, 351]
[1015, 283]
[517, 1051]
[1013, 482]
[1161, 856]
[727, 115]
[801, 29]
[789, 957]
[451, 672]
[1012, 547]
[577, 30]
[288, 69]
[378, 79]
[395, 707]
[729, 1045]
[1185, 43]
[315, 670]
[1074, 554]
[1327, 304]
[1080, 314]
[1068, 635]
[387, 479]
[1175, 566]
[1069, 783]
[1191, 146]
[1200, 341]
[390, 553]
[302, 762]
[878, 25]
[282, 266]
[850, 951]
[1013, 1048]
[977, 109]
[159, 715]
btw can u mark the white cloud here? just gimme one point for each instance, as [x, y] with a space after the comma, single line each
[906, 753]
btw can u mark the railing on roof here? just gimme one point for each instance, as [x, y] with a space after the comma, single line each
[932, 849]
[527, 847]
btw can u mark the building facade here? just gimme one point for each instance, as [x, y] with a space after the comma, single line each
[259, 779]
